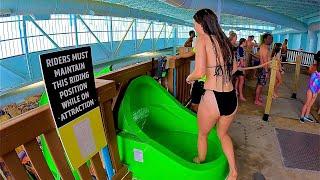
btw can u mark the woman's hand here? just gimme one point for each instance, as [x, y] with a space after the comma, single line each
[174, 57]
[188, 80]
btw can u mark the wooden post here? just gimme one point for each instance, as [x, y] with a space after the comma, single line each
[274, 67]
[296, 77]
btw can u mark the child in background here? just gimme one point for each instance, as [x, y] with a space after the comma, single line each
[312, 92]
[240, 74]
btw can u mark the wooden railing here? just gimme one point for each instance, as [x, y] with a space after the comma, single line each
[307, 57]
[24, 129]
[178, 72]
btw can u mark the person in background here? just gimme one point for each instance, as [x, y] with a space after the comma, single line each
[250, 44]
[233, 40]
[265, 56]
[277, 54]
[240, 74]
[189, 42]
[250, 47]
[284, 50]
[312, 92]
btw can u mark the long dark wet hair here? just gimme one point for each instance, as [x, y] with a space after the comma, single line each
[209, 22]
[276, 49]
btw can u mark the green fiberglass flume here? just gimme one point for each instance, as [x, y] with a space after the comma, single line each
[158, 137]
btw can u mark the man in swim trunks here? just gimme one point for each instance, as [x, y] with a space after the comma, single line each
[263, 73]
[249, 44]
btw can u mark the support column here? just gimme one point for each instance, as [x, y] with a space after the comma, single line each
[312, 41]
[75, 29]
[318, 44]
[165, 35]
[303, 45]
[296, 41]
[135, 35]
[152, 36]
[111, 35]
[175, 39]
[291, 41]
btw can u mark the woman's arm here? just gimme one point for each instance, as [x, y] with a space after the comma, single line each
[200, 61]
[183, 55]
[235, 66]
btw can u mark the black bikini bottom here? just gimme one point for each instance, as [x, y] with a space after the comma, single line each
[227, 102]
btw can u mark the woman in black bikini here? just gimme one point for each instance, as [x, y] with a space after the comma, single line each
[214, 59]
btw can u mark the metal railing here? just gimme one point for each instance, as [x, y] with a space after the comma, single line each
[307, 57]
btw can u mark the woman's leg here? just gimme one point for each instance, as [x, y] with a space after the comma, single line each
[277, 84]
[208, 113]
[227, 146]
[241, 83]
[258, 99]
[306, 104]
[313, 99]
[236, 85]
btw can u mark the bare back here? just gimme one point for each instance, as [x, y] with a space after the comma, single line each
[217, 82]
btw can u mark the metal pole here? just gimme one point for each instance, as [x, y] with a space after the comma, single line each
[171, 32]
[125, 35]
[159, 34]
[152, 35]
[42, 31]
[144, 36]
[175, 40]
[25, 46]
[76, 29]
[97, 39]
[111, 33]
[134, 35]
[165, 35]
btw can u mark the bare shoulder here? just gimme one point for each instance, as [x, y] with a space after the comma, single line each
[201, 40]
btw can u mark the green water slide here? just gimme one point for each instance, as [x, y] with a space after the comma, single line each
[158, 137]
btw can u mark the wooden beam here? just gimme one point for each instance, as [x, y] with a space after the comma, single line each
[57, 151]
[108, 123]
[35, 154]
[98, 167]
[14, 165]
[33, 124]
[84, 172]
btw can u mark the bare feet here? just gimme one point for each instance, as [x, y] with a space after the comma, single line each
[258, 103]
[243, 99]
[260, 99]
[232, 176]
[196, 160]
[275, 95]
